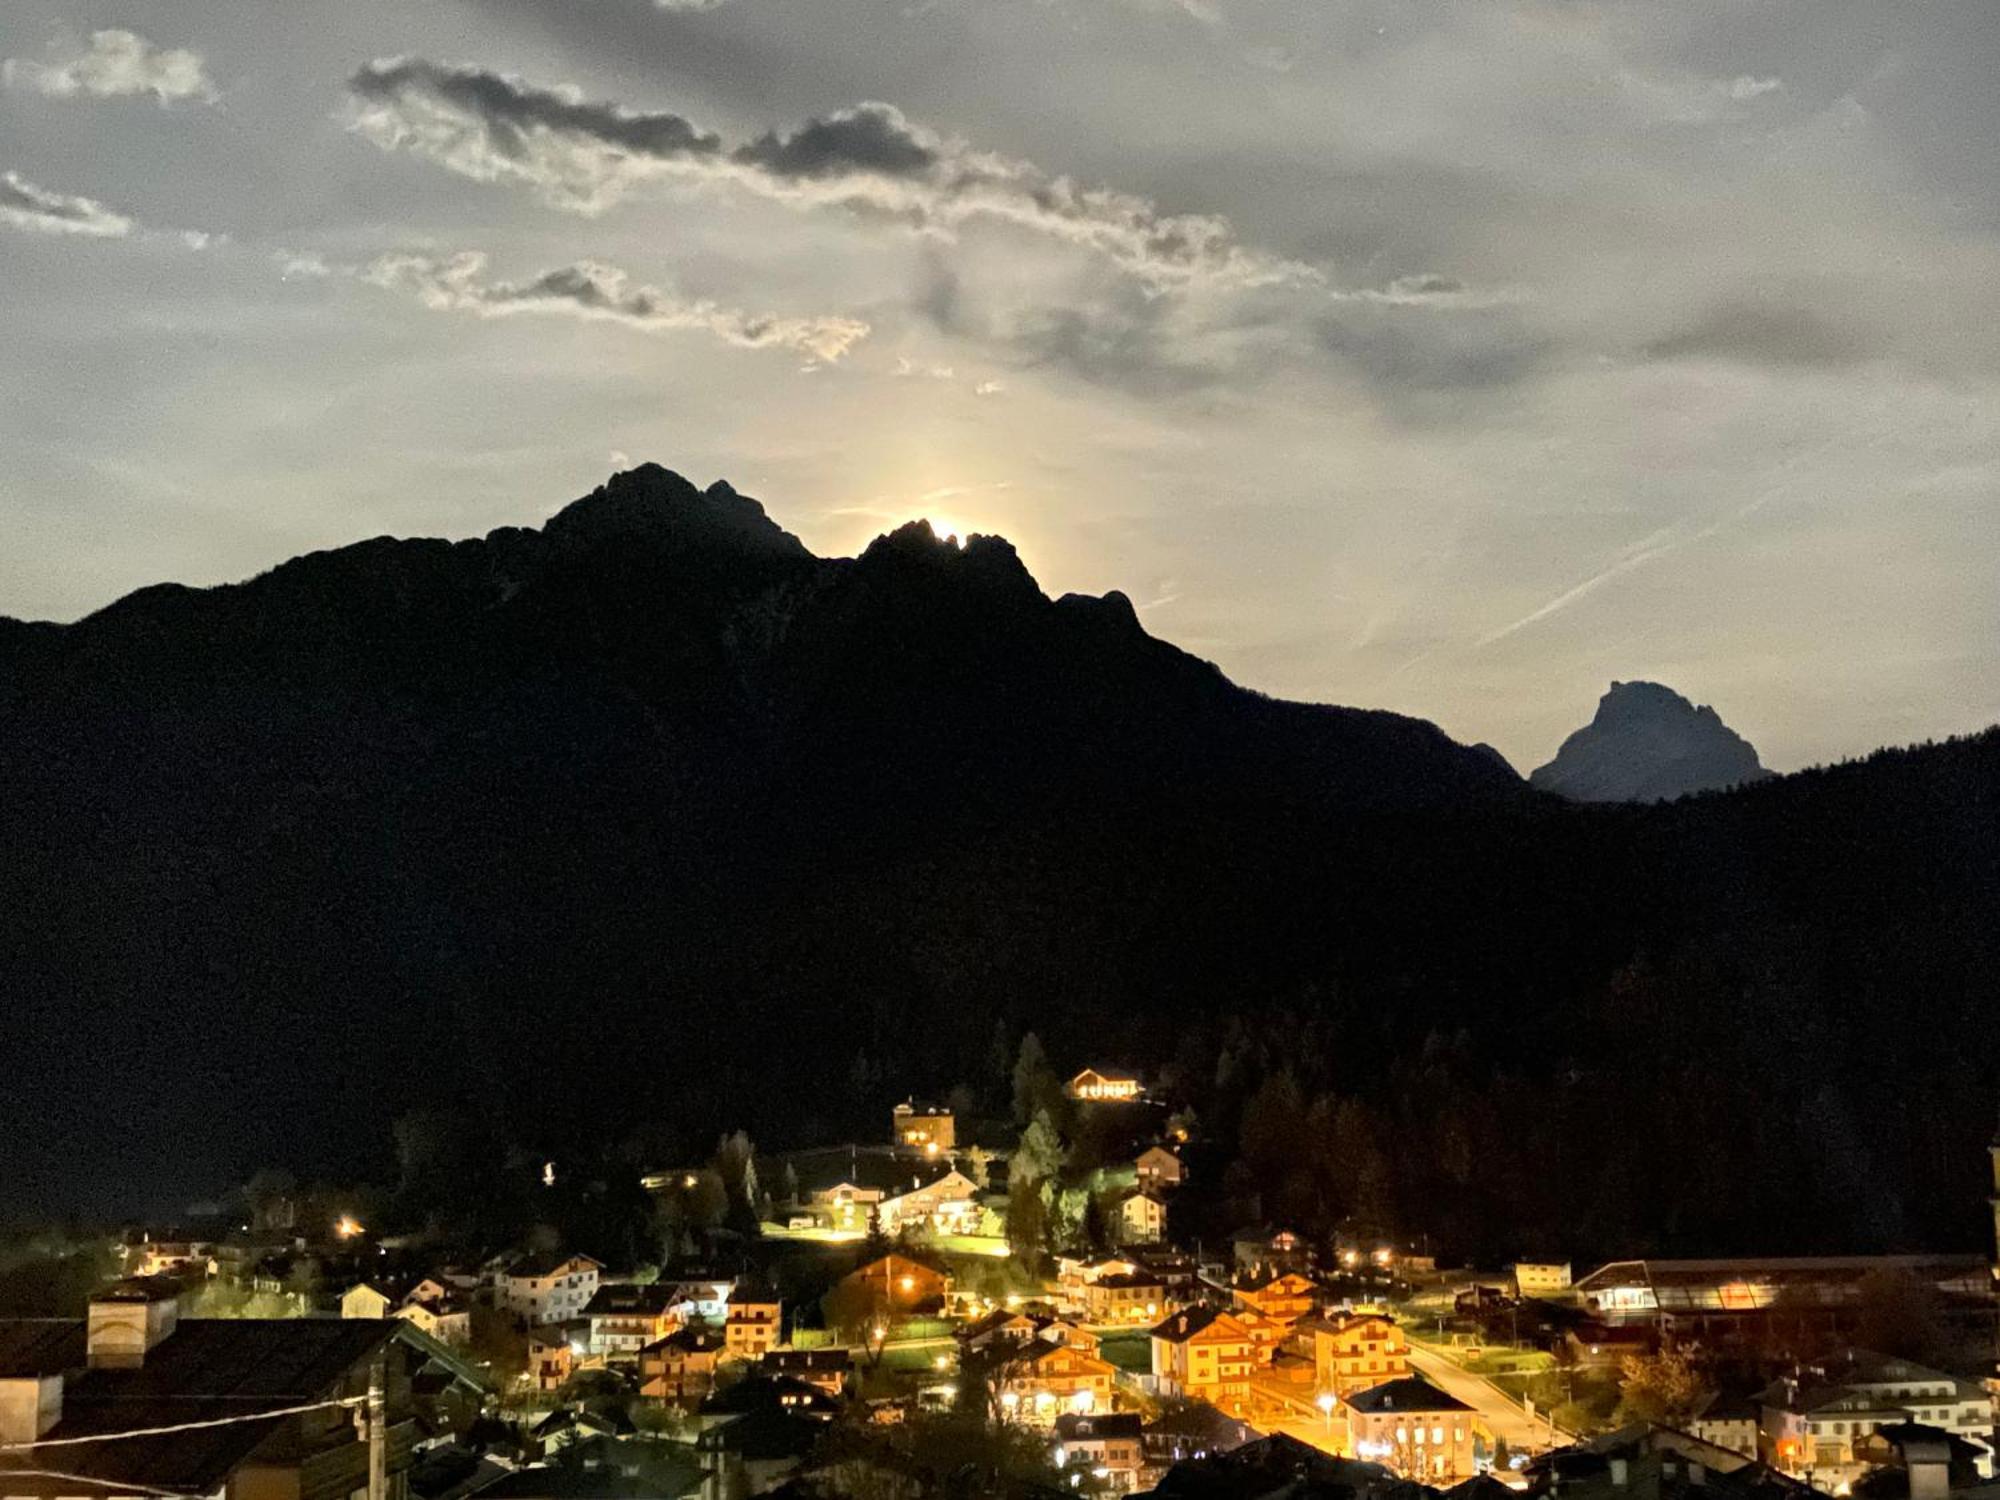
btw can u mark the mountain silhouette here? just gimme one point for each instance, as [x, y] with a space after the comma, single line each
[1648, 744]
[651, 819]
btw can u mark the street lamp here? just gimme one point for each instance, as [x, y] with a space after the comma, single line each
[1325, 1405]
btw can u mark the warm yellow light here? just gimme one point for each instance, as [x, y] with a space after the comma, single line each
[907, 1283]
[947, 530]
[347, 1226]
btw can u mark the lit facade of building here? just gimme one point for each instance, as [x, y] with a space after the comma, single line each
[1104, 1085]
[929, 1130]
[1206, 1354]
[1411, 1426]
[1356, 1353]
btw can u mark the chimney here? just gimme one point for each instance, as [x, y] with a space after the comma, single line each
[129, 1319]
[29, 1406]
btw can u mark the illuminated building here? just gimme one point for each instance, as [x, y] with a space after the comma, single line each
[1130, 1297]
[1142, 1219]
[925, 1129]
[1207, 1354]
[1412, 1427]
[1283, 1297]
[1104, 1086]
[751, 1330]
[1355, 1353]
[1813, 1424]
[547, 1288]
[1044, 1380]
[1108, 1448]
[1541, 1278]
[1711, 1299]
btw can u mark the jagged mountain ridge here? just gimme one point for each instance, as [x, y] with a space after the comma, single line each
[359, 781]
[653, 817]
[1647, 743]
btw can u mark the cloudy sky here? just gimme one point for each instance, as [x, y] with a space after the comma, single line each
[1450, 356]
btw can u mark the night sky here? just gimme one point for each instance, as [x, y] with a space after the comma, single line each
[1454, 358]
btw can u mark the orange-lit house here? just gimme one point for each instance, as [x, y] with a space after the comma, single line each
[925, 1129]
[1281, 1296]
[1042, 1380]
[1206, 1354]
[1410, 1425]
[1133, 1298]
[751, 1329]
[1354, 1353]
[680, 1368]
[1104, 1085]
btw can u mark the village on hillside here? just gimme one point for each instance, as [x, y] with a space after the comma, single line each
[893, 1317]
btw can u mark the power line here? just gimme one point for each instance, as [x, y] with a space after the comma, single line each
[145, 1432]
[98, 1480]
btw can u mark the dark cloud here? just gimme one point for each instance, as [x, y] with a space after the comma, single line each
[26, 206]
[579, 154]
[870, 138]
[591, 290]
[586, 156]
[1755, 334]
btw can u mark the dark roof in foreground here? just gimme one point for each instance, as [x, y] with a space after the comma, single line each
[207, 1368]
[1411, 1393]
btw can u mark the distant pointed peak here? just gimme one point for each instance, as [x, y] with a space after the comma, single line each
[1647, 742]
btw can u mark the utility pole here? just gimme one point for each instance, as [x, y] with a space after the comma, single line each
[378, 1428]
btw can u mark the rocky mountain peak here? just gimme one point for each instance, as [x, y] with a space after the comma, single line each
[1648, 743]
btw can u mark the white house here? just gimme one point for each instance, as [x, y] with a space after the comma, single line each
[547, 1288]
[1142, 1220]
[949, 1204]
[447, 1320]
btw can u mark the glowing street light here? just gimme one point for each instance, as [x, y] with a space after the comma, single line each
[347, 1226]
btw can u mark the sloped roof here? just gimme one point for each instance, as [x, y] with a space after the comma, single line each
[1410, 1393]
[206, 1368]
[1190, 1322]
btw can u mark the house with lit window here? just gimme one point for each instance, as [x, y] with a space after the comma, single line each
[1158, 1170]
[830, 1370]
[1039, 1381]
[447, 1318]
[1132, 1298]
[551, 1358]
[1545, 1279]
[1411, 1427]
[751, 1329]
[547, 1288]
[1142, 1219]
[1357, 1352]
[1105, 1085]
[891, 1286]
[1815, 1424]
[1205, 1354]
[1281, 1296]
[923, 1129]
[680, 1368]
[1107, 1447]
[947, 1204]
[624, 1319]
